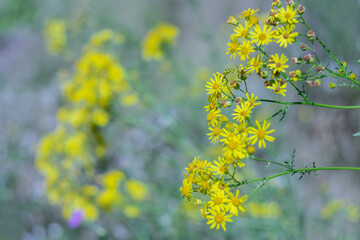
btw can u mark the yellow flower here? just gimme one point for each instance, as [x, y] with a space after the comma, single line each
[132, 211]
[212, 116]
[285, 36]
[235, 147]
[279, 87]
[186, 190]
[218, 200]
[235, 203]
[214, 135]
[163, 33]
[220, 167]
[215, 86]
[255, 64]
[248, 13]
[242, 31]
[233, 46]
[244, 50]
[242, 112]
[55, 35]
[262, 37]
[278, 64]
[218, 218]
[137, 190]
[288, 16]
[261, 134]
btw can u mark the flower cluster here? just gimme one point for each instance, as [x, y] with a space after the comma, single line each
[156, 38]
[73, 158]
[239, 133]
[55, 35]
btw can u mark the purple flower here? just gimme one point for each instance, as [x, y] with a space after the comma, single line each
[76, 219]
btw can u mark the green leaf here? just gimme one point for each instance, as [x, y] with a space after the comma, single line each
[356, 134]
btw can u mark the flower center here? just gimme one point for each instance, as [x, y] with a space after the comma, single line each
[229, 160]
[234, 47]
[236, 202]
[219, 218]
[211, 116]
[217, 131]
[287, 15]
[286, 36]
[244, 33]
[262, 36]
[218, 200]
[244, 51]
[205, 184]
[222, 169]
[233, 145]
[256, 63]
[216, 86]
[261, 133]
[277, 89]
[278, 65]
[243, 113]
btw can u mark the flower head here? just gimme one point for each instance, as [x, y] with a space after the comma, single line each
[261, 134]
[262, 37]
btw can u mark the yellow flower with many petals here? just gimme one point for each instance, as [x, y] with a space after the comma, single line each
[261, 134]
[262, 37]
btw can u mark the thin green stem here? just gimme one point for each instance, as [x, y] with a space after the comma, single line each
[300, 170]
[311, 104]
[257, 188]
[268, 161]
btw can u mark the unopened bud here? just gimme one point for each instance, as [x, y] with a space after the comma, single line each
[317, 83]
[295, 60]
[232, 21]
[303, 47]
[301, 9]
[320, 68]
[353, 75]
[251, 149]
[229, 103]
[309, 83]
[267, 83]
[265, 74]
[311, 35]
[238, 100]
[308, 57]
[332, 85]
[282, 81]
[223, 103]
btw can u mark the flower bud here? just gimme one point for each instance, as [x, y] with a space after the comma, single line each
[303, 47]
[282, 81]
[267, 83]
[251, 149]
[353, 75]
[265, 74]
[308, 58]
[320, 68]
[332, 85]
[232, 21]
[317, 83]
[296, 60]
[311, 35]
[238, 100]
[229, 103]
[309, 83]
[301, 9]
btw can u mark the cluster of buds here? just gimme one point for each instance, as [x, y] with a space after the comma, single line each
[315, 83]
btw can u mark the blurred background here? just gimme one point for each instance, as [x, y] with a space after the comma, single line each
[160, 125]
